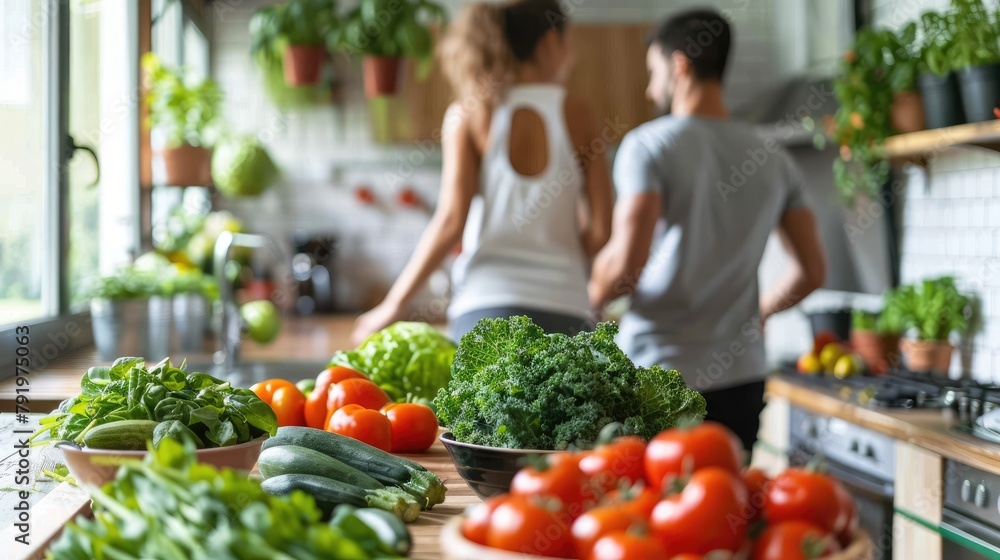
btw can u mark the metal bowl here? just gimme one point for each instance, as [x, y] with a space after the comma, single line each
[487, 470]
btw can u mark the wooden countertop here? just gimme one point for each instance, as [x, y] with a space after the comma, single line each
[929, 429]
[301, 338]
[52, 506]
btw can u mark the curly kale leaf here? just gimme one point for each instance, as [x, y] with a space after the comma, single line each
[514, 386]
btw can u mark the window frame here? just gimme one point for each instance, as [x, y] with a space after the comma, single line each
[60, 330]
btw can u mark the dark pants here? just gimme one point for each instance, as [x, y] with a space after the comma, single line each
[738, 408]
[551, 323]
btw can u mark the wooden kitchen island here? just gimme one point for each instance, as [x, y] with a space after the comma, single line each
[53, 505]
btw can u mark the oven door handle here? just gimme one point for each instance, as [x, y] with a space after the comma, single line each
[969, 534]
[860, 481]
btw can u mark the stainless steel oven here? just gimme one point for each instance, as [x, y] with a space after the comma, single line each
[862, 460]
[970, 521]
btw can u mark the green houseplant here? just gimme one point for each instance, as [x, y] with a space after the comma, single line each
[975, 56]
[187, 112]
[383, 32]
[292, 36]
[875, 89]
[931, 311]
[875, 336]
[938, 84]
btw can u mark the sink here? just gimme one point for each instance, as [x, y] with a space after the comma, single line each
[249, 372]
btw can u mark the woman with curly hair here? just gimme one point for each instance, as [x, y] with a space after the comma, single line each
[528, 201]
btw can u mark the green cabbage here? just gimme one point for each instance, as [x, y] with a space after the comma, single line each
[410, 361]
[242, 167]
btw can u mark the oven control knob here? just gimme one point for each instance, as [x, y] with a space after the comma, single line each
[855, 446]
[982, 495]
[966, 493]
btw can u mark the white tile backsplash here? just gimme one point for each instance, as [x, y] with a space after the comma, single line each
[951, 226]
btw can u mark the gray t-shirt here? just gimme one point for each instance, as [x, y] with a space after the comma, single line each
[724, 189]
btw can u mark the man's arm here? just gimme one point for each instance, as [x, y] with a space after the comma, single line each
[798, 233]
[618, 266]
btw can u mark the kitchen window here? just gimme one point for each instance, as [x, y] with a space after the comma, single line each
[68, 160]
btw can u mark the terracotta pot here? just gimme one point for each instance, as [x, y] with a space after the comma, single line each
[188, 166]
[303, 64]
[927, 355]
[880, 352]
[908, 112]
[381, 75]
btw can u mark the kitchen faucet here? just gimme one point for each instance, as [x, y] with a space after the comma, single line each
[231, 331]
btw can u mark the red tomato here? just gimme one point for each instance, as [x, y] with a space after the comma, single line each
[638, 500]
[798, 494]
[757, 483]
[522, 524]
[414, 426]
[680, 452]
[562, 479]
[705, 516]
[355, 391]
[476, 524]
[794, 540]
[617, 462]
[316, 410]
[289, 404]
[688, 557]
[265, 389]
[362, 424]
[596, 523]
[621, 545]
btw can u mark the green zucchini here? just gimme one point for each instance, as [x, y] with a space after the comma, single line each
[328, 493]
[121, 435]
[375, 526]
[295, 459]
[389, 529]
[383, 467]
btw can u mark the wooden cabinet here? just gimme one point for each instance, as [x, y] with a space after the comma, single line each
[611, 74]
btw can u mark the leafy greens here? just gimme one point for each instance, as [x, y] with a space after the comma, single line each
[514, 386]
[408, 360]
[211, 412]
[170, 507]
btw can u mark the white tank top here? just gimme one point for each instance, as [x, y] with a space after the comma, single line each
[522, 246]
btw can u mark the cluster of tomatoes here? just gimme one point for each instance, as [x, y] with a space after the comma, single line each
[682, 496]
[346, 402]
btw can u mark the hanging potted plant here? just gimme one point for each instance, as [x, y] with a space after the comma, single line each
[975, 55]
[187, 113]
[938, 84]
[932, 311]
[292, 37]
[876, 90]
[383, 33]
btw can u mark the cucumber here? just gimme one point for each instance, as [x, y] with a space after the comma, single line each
[328, 493]
[122, 435]
[388, 469]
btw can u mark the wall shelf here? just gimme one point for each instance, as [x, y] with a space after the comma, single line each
[923, 144]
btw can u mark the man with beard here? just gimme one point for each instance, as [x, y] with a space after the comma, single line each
[698, 197]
